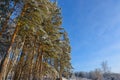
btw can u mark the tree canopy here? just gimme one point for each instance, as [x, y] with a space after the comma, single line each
[33, 45]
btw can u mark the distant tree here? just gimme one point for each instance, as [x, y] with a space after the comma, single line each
[98, 74]
[81, 74]
[105, 67]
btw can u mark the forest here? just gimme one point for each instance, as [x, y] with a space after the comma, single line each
[33, 44]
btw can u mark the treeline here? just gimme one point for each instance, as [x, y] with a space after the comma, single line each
[95, 75]
[33, 45]
[103, 73]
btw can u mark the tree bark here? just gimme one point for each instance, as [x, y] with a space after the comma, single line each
[4, 62]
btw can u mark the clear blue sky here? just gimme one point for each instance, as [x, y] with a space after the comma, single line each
[94, 30]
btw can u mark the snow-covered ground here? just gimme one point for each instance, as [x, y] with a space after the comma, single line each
[80, 79]
[64, 79]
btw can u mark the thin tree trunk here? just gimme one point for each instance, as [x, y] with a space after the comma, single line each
[40, 51]
[41, 58]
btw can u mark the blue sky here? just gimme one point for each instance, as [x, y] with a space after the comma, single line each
[94, 31]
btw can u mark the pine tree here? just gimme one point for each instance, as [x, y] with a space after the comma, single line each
[36, 47]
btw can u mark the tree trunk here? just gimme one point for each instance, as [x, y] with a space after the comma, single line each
[41, 58]
[3, 65]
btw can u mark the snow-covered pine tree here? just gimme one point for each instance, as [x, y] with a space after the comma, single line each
[34, 42]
